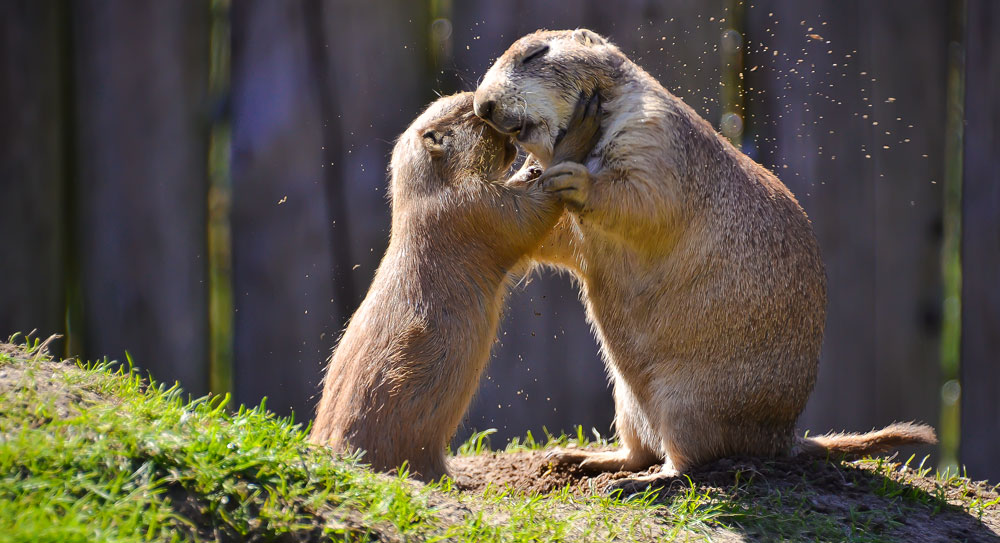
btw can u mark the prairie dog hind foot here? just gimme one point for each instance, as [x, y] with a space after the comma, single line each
[635, 485]
[599, 461]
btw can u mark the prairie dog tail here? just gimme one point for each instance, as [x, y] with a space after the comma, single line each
[875, 442]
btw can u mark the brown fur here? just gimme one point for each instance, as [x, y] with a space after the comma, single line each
[874, 442]
[404, 371]
[699, 270]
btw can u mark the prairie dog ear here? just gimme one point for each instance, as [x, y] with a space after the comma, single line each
[434, 142]
[588, 37]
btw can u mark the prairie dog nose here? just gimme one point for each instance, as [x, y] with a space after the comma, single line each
[484, 108]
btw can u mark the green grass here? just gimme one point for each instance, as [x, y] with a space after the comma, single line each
[790, 514]
[144, 464]
[96, 453]
[479, 441]
[947, 486]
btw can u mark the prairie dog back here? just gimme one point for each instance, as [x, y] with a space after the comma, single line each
[698, 268]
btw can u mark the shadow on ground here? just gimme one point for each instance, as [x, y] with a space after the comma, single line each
[797, 499]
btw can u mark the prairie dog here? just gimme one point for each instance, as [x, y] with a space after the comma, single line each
[402, 375]
[698, 268]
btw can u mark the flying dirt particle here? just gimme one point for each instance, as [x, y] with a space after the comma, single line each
[283, 200]
[816, 37]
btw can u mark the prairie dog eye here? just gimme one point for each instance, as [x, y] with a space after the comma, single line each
[536, 52]
[434, 141]
[434, 136]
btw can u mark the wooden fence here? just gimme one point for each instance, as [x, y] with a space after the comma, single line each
[981, 245]
[108, 111]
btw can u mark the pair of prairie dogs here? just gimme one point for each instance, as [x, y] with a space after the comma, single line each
[698, 269]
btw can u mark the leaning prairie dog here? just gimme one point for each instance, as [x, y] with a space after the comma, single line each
[698, 268]
[402, 375]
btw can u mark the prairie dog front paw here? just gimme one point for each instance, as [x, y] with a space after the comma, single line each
[582, 132]
[570, 181]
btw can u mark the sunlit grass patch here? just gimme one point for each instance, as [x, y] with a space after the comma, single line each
[95, 452]
[129, 461]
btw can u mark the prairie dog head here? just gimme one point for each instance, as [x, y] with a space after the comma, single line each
[530, 91]
[447, 145]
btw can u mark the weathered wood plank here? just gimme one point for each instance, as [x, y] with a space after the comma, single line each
[282, 291]
[141, 145]
[32, 169]
[320, 91]
[847, 106]
[980, 362]
[377, 60]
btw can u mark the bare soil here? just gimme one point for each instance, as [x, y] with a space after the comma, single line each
[917, 509]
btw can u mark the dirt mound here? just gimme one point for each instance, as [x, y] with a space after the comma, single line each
[783, 497]
[532, 472]
[527, 472]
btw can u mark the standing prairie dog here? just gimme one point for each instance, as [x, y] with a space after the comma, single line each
[699, 271]
[402, 375]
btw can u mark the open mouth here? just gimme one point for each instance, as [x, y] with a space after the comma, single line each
[498, 166]
[503, 161]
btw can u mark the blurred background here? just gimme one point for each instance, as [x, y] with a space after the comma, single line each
[202, 185]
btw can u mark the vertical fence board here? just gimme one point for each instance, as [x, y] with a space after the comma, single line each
[378, 58]
[32, 167]
[846, 104]
[282, 290]
[546, 369]
[980, 367]
[141, 143]
[320, 91]
[909, 76]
